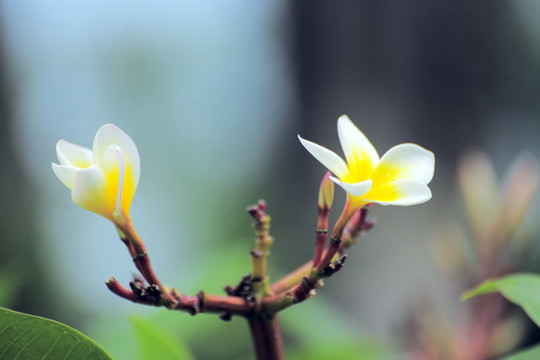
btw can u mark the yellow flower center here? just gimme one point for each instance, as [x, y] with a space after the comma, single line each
[360, 168]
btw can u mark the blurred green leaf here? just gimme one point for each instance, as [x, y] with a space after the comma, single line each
[487, 287]
[521, 289]
[32, 337]
[348, 350]
[312, 325]
[532, 353]
[230, 340]
[8, 289]
[305, 321]
[12, 276]
[154, 342]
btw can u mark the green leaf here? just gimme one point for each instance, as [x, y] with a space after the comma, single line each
[532, 353]
[154, 342]
[31, 337]
[521, 289]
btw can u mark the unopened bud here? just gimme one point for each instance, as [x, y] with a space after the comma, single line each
[326, 193]
[136, 288]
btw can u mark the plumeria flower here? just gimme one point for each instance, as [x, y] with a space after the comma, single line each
[102, 180]
[400, 177]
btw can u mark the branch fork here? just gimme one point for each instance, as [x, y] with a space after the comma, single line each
[253, 298]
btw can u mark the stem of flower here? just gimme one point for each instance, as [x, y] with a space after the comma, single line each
[357, 225]
[322, 235]
[348, 211]
[332, 250]
[140, 257]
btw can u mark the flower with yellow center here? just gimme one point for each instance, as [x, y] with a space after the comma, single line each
[102, 179]
[400, 177]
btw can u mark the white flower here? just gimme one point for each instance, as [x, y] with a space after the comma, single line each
[400, 177]
[102, 180]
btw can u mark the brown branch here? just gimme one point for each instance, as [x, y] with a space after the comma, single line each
[266, 336]
[229, 304]
[200, 303]
[116, 288]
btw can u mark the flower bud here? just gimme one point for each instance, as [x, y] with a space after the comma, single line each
[326, 193]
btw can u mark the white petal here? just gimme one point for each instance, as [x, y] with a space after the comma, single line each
[355, 144]
[357, 189]
[72, 154]
[91, 192]
[326, 157]
[65, 173]
[405, 161]
[110, 134]
[399, 192]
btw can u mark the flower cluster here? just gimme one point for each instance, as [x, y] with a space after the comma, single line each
[104, 179]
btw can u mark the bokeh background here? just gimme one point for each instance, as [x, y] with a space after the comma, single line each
[214, 93]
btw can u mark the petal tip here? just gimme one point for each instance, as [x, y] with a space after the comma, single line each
[344, 117]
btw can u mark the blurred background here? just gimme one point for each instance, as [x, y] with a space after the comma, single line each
[213, 94]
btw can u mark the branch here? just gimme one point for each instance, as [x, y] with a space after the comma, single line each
[259, 254]
[200, 303]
